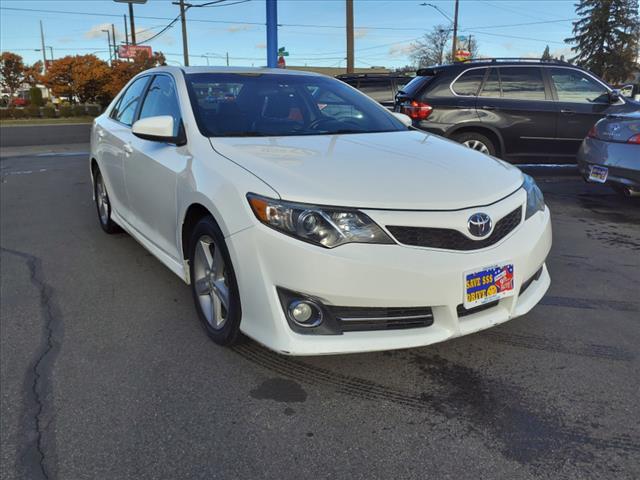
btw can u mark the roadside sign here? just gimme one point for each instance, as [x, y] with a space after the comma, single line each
[281, 62]
[282, 52]
[130, 51]
[462, 55]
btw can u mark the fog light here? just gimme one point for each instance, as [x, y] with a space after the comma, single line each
[305, 313]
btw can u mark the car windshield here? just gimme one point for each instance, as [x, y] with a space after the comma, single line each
[268, 104]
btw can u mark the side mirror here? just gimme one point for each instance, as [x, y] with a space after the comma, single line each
[159, 129]
[614, 96]
[405, 119]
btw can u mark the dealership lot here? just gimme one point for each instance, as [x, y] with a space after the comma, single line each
[106, 372]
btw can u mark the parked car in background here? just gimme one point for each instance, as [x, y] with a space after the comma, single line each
[521, 110]
[611, 153]
[379, 86]
[307, 216]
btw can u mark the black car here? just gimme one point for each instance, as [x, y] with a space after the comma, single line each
[521, 110]
[379, 86]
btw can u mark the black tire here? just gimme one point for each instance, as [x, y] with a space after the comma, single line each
[478, 138]
[229, 332]
[104, 213]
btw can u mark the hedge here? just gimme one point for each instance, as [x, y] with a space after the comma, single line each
[32, 111]
[48, 112]
[66, 111]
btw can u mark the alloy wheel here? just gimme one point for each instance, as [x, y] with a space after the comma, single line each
[476, 145]
[210, 282]
[103, 200]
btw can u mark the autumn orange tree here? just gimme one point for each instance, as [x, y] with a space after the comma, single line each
[82, 77]
[11, 72]
[33, 74]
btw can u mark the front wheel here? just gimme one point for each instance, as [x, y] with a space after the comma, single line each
[103, 205]
[213, 283]
[476, 141]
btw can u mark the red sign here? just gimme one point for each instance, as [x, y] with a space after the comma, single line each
[281, 62]
[462, 55]
[130, 51]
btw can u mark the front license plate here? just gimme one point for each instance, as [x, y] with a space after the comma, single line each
[487, 285]
[598, 174]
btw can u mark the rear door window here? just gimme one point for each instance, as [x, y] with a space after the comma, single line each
[469, 82]
[411, 89]
[491, 86]
[522, 83]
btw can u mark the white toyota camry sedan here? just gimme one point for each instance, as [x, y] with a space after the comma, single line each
[308, 217]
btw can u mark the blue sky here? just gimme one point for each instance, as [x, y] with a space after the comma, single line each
[312, 30]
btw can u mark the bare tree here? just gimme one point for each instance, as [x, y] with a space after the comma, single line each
[430, 49]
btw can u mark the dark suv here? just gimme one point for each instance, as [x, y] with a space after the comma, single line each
[518, 109]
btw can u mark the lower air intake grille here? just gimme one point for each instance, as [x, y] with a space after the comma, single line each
[450, 239]
[463, 312]
[360, 319]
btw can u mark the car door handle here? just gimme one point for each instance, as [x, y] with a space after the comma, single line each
[128, 149]
[487, 107]
[567, 111]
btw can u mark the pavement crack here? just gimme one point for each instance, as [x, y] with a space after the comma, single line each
[36, 455]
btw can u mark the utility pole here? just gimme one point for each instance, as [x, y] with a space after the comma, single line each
[349, 5]
[133, 24]
[227, 59]
[113, 36]
[126, 31]
[185, 47]
[44, 54]
[454, 45]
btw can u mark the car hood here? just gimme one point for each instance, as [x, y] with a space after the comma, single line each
[408, 170]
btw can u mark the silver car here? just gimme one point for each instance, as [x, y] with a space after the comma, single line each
[611, 153]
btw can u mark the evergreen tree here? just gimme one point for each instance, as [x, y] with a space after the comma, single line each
[606, 38]
[546, 55]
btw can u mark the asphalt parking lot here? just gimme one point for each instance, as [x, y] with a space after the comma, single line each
[107, 374]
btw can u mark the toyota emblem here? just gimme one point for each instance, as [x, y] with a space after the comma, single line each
[479, 224]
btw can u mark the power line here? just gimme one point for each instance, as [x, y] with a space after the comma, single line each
[230, 22]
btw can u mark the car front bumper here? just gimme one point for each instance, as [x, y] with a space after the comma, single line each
[620, 158]
[367, 275]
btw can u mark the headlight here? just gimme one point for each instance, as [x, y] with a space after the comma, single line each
[325, 226]
[535, 200]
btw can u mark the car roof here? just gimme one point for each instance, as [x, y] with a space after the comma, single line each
[492, 62]
[240, 70]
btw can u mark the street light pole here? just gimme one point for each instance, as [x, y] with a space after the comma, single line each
[113, 35]
[109, 40]
[44, 55]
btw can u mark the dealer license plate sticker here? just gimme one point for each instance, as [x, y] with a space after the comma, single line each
[488, 285]
[598, 174]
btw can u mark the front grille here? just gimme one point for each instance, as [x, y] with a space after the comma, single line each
[453, 239]
[360, 319]
[463, 312]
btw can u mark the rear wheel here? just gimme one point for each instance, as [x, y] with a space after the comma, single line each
[103, 205]
[213, 283]
[476, 141]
